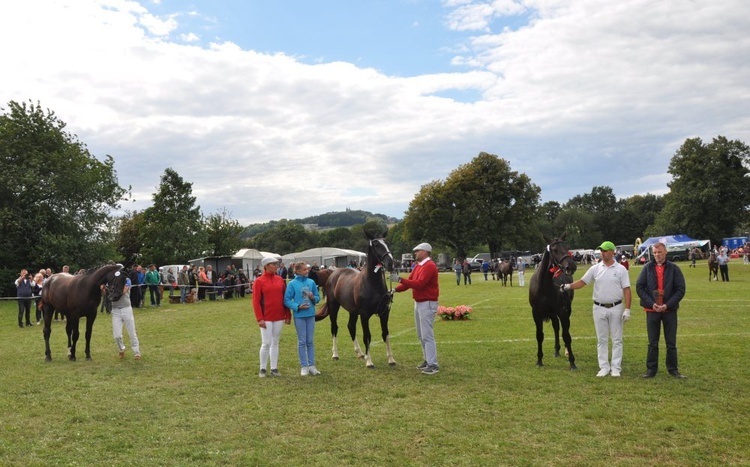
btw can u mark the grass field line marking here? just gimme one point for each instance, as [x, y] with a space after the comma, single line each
[547, 338]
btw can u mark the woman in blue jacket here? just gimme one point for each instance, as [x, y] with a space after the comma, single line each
[301, 296]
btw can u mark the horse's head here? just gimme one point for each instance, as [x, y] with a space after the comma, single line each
[116, 284]
[380, 252]
[559, 257]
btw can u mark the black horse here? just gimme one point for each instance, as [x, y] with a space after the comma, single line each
[75, 297]
[363, 294]
[713, 267]
[548, 302]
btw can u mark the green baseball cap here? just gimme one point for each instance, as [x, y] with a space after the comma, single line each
[607, 246]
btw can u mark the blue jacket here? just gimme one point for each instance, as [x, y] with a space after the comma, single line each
[293, 296]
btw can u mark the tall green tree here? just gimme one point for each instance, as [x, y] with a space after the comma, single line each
[128, 242]
[173, 227]
[284, 237]
[605, 208]
[55, 196]
[483, 202]
[223, 233]
[709, 194]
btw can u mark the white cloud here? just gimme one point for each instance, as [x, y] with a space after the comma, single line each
[585, 94]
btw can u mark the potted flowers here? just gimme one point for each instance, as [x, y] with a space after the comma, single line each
[460, 312]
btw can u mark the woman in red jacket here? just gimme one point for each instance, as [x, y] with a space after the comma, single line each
[268, 304]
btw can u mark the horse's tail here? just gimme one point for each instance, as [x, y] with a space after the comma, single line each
[322, 313]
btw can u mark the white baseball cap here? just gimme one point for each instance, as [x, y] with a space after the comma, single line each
[423, 246]
[268, 260]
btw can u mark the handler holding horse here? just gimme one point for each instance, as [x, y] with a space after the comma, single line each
[423, 281]
[611, 288]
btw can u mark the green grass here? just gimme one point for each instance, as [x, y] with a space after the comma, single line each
[196, 399]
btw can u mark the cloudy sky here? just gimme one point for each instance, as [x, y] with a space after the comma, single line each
[284, 109]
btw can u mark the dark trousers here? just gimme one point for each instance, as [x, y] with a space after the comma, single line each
[654, 323]
[24, 306]
[724, 269]
[135, 296]
[154, 294]
[467, 278]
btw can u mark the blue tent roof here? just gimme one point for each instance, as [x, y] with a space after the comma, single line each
[677, 239]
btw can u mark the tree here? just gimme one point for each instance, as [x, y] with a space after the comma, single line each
[284, 237]
[639, 212]
[128, 241]
[55, 196]
[173, 228]
[223, 233]
[340, 237]
[709, 194]
[603, 204]
[482, 202]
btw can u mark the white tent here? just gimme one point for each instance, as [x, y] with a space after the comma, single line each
[250, 258]
[326, 256]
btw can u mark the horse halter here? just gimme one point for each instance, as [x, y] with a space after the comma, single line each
[555, 262]
[387, 253]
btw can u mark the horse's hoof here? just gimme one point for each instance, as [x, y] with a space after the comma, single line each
[71, 358]
[557, 354]
[361, 357]
[89, 358]
[573, 367]
[371, 367]
[392, 363]
[47, 359]
[335, 357]
[539, 364]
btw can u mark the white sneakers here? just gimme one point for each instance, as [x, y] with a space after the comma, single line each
[309, 370]
[615, 374]
[602, 373]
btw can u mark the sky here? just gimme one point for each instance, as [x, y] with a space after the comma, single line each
[287, 109]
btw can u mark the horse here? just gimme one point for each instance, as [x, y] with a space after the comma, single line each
[320, 277]
[363, 294]
[548, 301]
[505, 271]
[713, 267]
[75, 297]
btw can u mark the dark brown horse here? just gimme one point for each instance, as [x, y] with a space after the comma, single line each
[548, 301]
[320, 277]
[713, 267]
[75, 297]
[505, 272]
[363, 294]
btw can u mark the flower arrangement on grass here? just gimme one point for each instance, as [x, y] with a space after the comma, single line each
[460, 312]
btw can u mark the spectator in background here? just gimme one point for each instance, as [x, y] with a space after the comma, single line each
[135, 290]
[36, 291]
[723, 261]
[183, 282]
[153, 280]
[24, 292]
[466, 269]
[521, 267]
[485, 268]
[202, 283]
[458, 270]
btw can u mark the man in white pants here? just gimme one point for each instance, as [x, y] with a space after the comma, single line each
[611, 289]
[122, 314]
[521, 268]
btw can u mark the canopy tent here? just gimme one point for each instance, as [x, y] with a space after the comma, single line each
[249, 258]
[678, 241]
[326, 256]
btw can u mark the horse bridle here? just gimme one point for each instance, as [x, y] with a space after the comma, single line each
[387, 252]
[555, 262]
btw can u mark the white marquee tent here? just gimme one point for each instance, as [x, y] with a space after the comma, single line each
[326, 256]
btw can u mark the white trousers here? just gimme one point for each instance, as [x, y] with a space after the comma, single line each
[424, 319]
[608, 323]
[120, 317]
[269, 346]
[521, 282]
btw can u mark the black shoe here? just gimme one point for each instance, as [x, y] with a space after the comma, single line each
[649, 374]
[678, 375]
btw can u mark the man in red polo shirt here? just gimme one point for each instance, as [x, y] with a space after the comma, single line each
[423, 282]
[660, 287]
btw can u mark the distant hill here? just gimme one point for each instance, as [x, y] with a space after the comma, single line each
[329, 220]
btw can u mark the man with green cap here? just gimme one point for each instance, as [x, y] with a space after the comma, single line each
[611, 307]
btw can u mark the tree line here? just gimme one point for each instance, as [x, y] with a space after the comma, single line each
[57, 203]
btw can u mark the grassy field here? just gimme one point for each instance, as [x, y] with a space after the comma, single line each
[196, 399]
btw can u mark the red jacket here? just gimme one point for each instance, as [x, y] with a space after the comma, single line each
[268, 298]
[423, 282]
